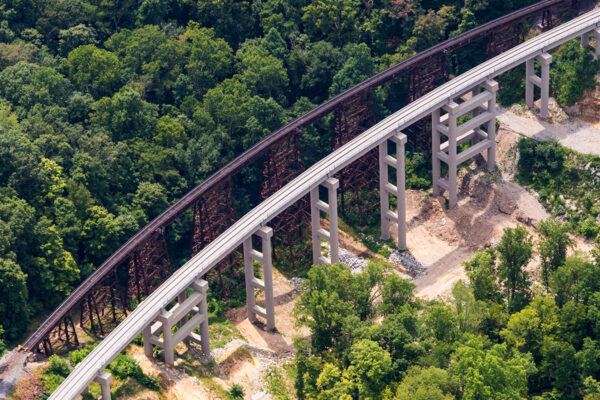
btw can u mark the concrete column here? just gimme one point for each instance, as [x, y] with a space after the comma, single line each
[398, 190]
[529, 72]
[203, 308]
[545, 59]
[266, 285]
[104, 379]
[435, 149]
[452, 160]
[318, 233]
[475, 112]
[384, 198]
[332, 186]
[596, 33]
[585, 39]
[168, 345]
[400, 140]
[148, 348]
[315, 223]
[492, 87]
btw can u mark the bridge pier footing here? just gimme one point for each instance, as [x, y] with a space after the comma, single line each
[318, 233]
[386, 188]
[543, 81]
[103, 378]
[191, 312]
[481, 108]
[252, 282]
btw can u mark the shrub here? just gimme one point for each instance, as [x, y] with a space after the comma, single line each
[58, 366]
[236, 391]
[125, 366]
[589, 228]
[76, 356]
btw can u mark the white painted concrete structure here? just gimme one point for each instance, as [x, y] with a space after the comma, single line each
[330, 208]
[193, 304]
[148, 310]
[252, 282]
[398, 189]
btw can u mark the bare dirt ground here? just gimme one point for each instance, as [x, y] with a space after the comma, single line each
[576, 134]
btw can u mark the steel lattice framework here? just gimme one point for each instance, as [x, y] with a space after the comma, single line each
[104, 298]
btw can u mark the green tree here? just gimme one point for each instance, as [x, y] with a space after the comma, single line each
[491, 372]
[53, 272]
[262, 72]
[333, 20]
[14, 309]
[125, 114]
[553, 247]
[94, 70]
[151, 198]
[528, 329]
[427, 384]
[359, 66]
[483, 275]
[514, 252]
[75, 36]
[372, 367]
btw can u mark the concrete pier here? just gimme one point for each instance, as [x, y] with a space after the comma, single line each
[190, 312]
[481, 108]
[318, 233]
[398, 189]
[543, 82]
[252, 282]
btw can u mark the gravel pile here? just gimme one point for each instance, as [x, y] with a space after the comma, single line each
[296, 282]
[355, 263]
[408, 261]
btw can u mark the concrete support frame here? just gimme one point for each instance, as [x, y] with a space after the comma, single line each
[252, 282]
[543, 82]
[386, 188]
[318, 233]
[194, 305]
[585, 41]
[482, 108]
[103, 378]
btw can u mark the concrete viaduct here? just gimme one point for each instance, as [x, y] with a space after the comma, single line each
[472, 93]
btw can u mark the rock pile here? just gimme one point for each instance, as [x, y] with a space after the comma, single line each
[408, 261]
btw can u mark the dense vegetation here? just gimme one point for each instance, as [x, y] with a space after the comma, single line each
[111, 110]
[566, 183]
[501, 337]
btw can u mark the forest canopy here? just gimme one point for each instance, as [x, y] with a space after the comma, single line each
[112, 110]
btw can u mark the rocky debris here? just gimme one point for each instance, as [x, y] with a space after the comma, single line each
[505, 203]
[409, 262]
[355, 263]
[296, 282]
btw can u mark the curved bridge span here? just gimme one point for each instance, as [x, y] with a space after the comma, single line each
[145, 257]
[443, 103]
[444, 99]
